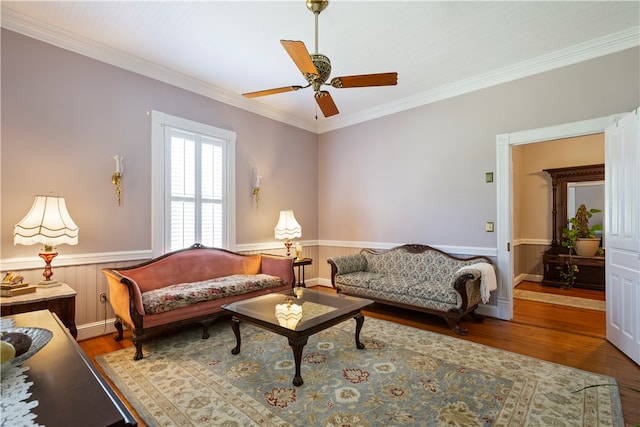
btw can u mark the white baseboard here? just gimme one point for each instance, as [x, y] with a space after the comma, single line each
[527, 278]
[504, 309]
[488, 310]
[95, 329]
[322, 282]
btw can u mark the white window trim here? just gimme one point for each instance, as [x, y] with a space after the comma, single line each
[159, 178]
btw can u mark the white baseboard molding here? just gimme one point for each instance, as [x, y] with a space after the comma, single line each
[96, 329]
[527, 278]
[504, 309]
[322, 282]
[488, 310]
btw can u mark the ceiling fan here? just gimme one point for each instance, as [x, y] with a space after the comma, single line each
[316, 69]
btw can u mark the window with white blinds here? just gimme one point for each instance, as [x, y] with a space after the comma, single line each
[196, 173]
[196, 189]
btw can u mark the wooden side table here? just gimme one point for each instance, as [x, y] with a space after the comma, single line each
[301, 263]
[60, 300]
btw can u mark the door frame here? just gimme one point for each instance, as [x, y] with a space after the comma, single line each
[504, 188]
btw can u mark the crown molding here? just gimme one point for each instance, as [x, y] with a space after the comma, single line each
[58, 37]
[592, 49]
[611, 43]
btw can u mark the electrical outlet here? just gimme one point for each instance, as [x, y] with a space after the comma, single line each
[103, 297]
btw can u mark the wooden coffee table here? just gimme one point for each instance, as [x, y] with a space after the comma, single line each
[320, 310]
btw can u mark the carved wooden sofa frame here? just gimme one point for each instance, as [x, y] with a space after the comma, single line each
[466, 284]
[195, 264]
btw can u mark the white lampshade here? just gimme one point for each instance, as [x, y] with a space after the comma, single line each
[287, 227]
[48, 222]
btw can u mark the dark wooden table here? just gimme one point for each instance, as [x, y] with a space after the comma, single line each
[591, 274]
[322, 311]
[70, 391]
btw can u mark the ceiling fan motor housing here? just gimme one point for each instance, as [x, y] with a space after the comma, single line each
[323, 65]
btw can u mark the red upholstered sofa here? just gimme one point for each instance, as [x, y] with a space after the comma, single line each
[189, 286]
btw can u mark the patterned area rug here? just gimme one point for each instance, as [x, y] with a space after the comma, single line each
[589, 304]
[404, 377]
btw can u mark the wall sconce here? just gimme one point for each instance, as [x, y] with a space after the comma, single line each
[116, 178]
[255, 192]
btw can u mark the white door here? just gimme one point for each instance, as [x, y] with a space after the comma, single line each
[622, 228]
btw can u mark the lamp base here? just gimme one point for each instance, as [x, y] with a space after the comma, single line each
[48, 255]
[288, 245]
[48, 284]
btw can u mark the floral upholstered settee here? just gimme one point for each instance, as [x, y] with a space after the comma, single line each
[417, 277]
[189, 286]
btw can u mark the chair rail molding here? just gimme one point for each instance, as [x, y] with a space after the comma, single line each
[28, 263]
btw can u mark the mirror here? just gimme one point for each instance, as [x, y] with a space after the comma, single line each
[578, 177]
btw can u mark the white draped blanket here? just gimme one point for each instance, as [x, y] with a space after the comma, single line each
[488, 282]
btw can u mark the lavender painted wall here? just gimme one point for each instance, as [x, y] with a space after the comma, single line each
[415, 176]
[419, 176]
[64, 117]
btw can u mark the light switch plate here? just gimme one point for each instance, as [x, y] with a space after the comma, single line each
[489, 227]
[488, 176]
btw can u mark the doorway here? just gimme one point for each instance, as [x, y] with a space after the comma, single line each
[505, 199]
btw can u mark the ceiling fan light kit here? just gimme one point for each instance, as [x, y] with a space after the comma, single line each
[316, 69]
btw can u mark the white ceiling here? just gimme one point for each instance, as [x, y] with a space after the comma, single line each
[439, 49]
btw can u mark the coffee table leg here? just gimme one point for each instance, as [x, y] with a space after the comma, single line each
[235, 325]
[297, 347]
[359, 322]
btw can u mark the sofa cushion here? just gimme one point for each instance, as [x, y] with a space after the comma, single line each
[185, 294]
[395, 284]
[360, 279]
[439, 291]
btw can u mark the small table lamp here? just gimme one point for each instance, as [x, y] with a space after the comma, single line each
[287, 228]
[49, 223]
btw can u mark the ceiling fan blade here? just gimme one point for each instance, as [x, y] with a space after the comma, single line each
[364, 80]
[300, 56]
[326, 104]
[271, 91]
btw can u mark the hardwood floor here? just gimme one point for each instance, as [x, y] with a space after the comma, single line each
[561, 318]
[569, 336]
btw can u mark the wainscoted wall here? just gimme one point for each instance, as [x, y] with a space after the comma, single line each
[527, 261]
[94, 318]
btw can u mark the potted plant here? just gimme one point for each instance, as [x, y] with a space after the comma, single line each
[584, 238]
[579, 238]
